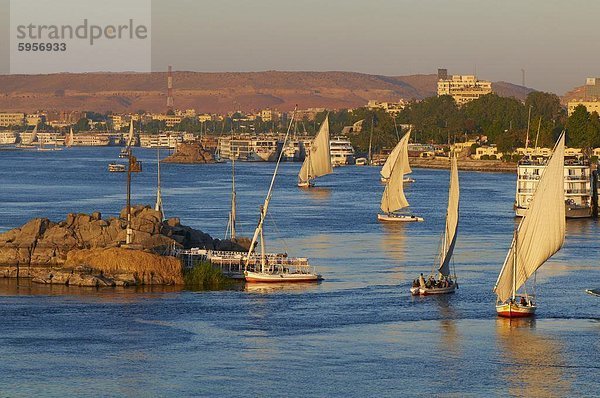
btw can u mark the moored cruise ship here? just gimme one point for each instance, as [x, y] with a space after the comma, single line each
[8, 138]
[578, 198]
[342, 152]
[166, 140]
[250, 148]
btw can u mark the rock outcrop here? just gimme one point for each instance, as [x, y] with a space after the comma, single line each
[86, 250]
[190, 153]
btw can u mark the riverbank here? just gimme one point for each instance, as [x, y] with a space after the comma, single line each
[494, 166]
[86, 250]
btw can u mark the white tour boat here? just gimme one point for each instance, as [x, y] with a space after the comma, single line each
[342, 151]
[577, 185]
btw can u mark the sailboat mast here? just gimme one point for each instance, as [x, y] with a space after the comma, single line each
[265, 207]
[371, 139]
[233, 197]
[528, 123]
[262, 252]
[514, 286]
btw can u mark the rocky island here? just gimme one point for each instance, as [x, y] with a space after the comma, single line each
[86, 250]
[190, 153]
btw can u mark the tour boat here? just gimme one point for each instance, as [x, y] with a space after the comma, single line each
[116, 168]
[275, 269]
[341, 150]
[317, 162]
[393, 198]
[444, 284]
[400, 149]
[361, 161]
[540, 234]
[577, 185]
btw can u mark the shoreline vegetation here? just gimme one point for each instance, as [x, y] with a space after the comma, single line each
[203, 276]
[489, 166]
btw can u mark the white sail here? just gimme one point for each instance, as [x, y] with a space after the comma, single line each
[451, 219]
[400, 148]
[393, 198]
[71, 138]
[304, 174]
[541, 232]
[33, 135]
[318, 161]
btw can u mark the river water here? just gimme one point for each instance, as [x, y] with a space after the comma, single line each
[357, 333]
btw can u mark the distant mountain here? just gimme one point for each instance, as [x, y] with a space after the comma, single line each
[575, 94]
[214, 92]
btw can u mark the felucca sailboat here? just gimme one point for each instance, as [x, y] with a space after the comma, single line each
[401, 148]
[393, 198]
[317, 162]
[275, 268]
[540, 234]
[444, 282]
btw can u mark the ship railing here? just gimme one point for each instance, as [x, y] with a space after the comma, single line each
[577, 191]
[582, 177]
[528, 177]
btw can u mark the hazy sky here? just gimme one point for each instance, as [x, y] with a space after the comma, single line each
[556, 42]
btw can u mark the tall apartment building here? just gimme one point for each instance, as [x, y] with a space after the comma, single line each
[11, 119]
[463, 88]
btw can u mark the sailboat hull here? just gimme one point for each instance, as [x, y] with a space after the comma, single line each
[405, 180]
[306, 184]
[398, 218]
[423, 291]
[513, 310]
[260, 277]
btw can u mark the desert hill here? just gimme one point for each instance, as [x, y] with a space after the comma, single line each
[214, 92]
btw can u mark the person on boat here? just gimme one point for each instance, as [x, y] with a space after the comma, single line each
[422, 281]
[523, 301]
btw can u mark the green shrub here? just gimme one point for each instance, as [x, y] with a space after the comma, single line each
[485, 157]
[594, 159]
[204, 276]
[493, 157]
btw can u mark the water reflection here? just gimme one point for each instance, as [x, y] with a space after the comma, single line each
[319, 194]
[537, 363]
[393, 245]
[133, 294]
[266, 288]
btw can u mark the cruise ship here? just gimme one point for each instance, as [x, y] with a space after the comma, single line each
[578, 198]
[342, 152]
[8, 138]
[167, 140]
[252, 149]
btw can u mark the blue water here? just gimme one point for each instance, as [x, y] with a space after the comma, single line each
[357, 333]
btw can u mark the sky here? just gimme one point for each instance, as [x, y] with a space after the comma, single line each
[555, 42]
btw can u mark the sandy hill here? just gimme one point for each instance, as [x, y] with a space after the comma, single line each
[214, 92]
